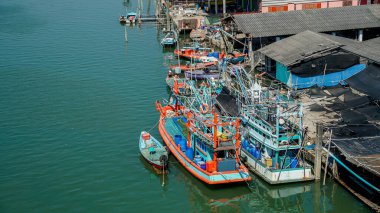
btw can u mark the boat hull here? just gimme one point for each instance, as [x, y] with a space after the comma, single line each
[197, 66]
[276, 176]
[195, 75]
[206, 177]
[236, 60]
[155, 165]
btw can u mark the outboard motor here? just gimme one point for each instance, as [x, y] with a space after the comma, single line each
[164, 160]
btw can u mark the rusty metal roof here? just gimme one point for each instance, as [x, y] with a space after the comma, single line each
[309, 45]
[317, 20]
[303, 46]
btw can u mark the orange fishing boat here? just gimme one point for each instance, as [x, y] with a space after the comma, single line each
[194, 66]
[206, 144]
[191, 54]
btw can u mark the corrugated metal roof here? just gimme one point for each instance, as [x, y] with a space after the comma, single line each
[303, 46]
[308, 45]
[369, 49]
[318, 20]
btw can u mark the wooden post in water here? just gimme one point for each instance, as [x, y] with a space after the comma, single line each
[318, 152]
[224, 8]
[167, 20]
[216, 6]
[327, 159]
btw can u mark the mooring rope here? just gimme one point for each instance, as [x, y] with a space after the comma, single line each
[163, 176]
[155, 125]
[248, 184]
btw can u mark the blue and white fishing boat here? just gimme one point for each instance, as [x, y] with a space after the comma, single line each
[130, 18]
[170, 39]
[272, 134]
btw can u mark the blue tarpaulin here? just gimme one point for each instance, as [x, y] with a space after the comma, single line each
[328, 80]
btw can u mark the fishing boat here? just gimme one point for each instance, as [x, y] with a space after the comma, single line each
[195, 56]
[153, 151]
[272, 145]
[170, 39]
[187, 87]
[235, 57]
[191, 54]
[122, 20]
[202, 74]
[206, 145]
[197, 35]
[194, 66]
[272, 133]
[130, 18]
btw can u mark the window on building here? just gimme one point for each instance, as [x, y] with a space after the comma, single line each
[311, 6]
[277, 8]
[347, 3]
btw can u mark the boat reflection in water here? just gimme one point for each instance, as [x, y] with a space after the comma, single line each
[239, 198]
[155, 174]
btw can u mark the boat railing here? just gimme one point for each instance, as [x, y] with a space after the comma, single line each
[207, 138]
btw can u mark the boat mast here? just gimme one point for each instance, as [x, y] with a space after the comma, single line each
[188, 129]
[215, 133]
[237, 138]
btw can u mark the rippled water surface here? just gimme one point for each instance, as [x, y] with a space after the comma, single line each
[73, 100]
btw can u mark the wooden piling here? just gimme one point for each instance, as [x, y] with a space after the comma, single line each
[318, 152]
[167, 20]
[327, 159]
[224, 8]
[216, 6]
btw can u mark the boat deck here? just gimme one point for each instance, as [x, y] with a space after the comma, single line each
[172, 127]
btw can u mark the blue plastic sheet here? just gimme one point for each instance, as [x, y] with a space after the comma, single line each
[327, 80]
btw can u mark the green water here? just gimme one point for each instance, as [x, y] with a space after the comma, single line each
[73, 100]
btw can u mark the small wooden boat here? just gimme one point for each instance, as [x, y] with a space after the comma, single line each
[122, 20]
[131, 18]
[170, 39]
[153, 151]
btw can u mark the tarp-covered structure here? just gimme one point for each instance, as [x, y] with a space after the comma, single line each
[354, 120]
[367, 81]
[362, 151]
[308, 59]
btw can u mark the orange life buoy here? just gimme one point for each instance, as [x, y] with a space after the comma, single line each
[204, 108]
